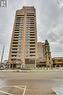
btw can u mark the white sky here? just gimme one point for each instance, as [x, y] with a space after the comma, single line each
[49, 23]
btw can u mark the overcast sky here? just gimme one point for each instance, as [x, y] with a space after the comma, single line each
[49, 23]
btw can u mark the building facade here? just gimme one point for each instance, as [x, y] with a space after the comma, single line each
[57, 61]
[48, 54]
[24, 38]
[41, 54]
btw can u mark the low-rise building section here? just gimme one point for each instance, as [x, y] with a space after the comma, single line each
[48, 54]
[57, 61]
[41, 54]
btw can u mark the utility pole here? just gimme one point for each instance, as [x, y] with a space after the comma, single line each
[2, 54]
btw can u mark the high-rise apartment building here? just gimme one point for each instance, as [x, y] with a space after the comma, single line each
[24, 38]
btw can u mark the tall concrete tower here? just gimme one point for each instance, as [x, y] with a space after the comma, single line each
[24, 39]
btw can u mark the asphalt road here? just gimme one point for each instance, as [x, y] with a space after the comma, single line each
[29, 83]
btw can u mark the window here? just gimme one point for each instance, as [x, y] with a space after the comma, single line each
[32, 55]
[32, 34]
[19, 44]
[28, 46]
[32, 51]
[13, 59]
[32, 48]
[13, 55]
[15, 45]
[27, 35]
[14, 51]
[32, 42]
[32, 39]
[16, 37]
[16, 34]
[15, 42]
[16, 29]
[14, 48]
[32, 45]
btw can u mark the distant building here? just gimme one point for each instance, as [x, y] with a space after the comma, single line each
[57, 61]
[48, 54]
[41, 54]
[24, 39]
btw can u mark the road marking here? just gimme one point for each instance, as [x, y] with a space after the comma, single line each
[23, 87]
[19, 87]
[6, 92]
[24, 90]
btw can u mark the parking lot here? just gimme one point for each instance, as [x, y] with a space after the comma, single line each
[13, 90]
[29, 83]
